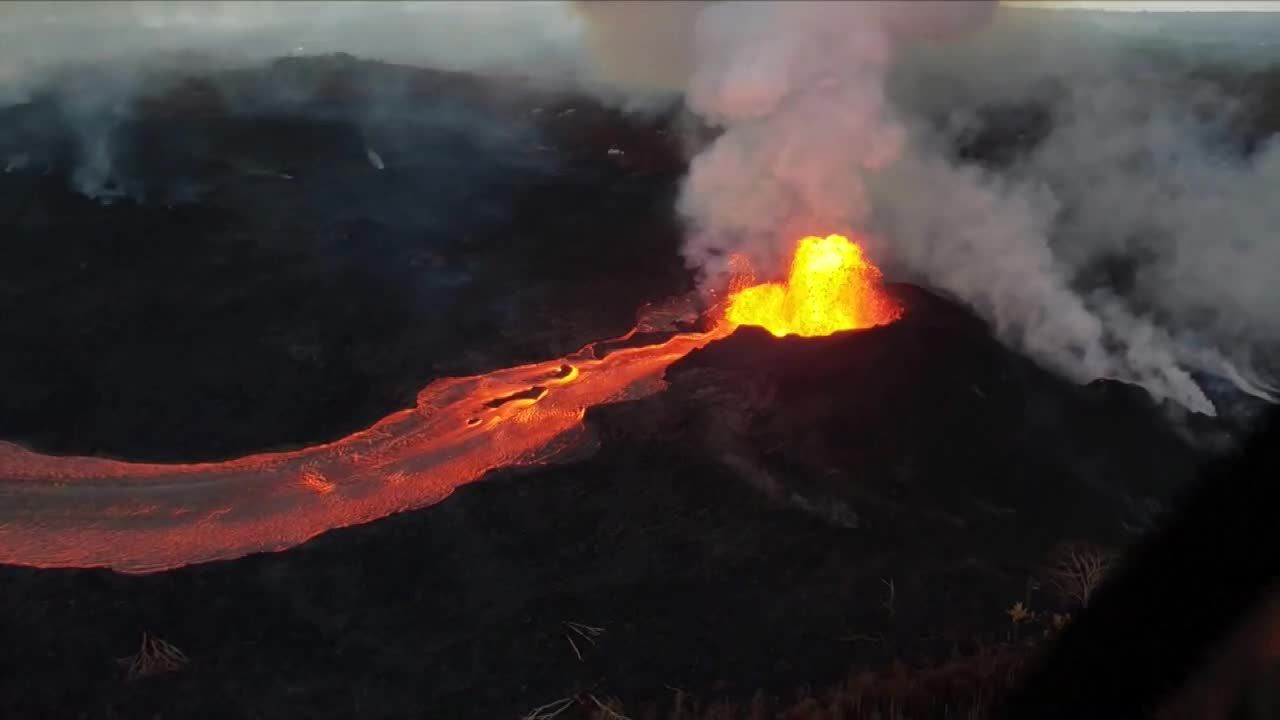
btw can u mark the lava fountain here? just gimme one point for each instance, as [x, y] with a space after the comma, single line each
[144, 517]
[830, 287]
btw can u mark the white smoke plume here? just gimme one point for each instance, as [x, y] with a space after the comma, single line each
[1143, 168]
[799, 89]
[814, 141]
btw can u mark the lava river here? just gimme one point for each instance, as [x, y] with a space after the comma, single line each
[145, 517]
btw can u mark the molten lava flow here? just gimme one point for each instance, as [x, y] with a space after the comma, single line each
[144, 517]
[830, 287]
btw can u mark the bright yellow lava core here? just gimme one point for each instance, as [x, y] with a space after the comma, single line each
[831, 286]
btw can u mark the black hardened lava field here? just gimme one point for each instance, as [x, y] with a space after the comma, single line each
[356, 386]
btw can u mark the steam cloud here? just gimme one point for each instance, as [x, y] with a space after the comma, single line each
[816, 140]
[845, 116]
[1143, 171]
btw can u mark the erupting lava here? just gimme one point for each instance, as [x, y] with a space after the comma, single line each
[830, 287]
[143, 517]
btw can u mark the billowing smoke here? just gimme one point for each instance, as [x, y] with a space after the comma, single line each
[1127, 179]
[799, 89]
[1132, 235]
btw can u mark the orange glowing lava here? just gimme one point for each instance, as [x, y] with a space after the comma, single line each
[144, 517]
[831, 286]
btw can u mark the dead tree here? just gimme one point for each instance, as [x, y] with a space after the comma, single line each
[1078, 570]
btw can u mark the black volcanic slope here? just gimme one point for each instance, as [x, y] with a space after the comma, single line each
[734, 532]
[262, 284]
[1197, 601]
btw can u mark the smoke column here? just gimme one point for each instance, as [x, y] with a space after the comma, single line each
[1148, 190]
[812, 141]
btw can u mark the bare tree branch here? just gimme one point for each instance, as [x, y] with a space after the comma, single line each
[1078, 570]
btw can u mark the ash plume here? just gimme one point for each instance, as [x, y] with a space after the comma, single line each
[845, 117]
[1151, 175]
[798, 89]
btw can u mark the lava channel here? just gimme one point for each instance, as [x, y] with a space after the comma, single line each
[144, 517]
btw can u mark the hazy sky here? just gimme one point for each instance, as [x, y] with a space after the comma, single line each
[1153, 5]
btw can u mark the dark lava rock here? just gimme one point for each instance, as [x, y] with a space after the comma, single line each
[1197, 601]
[262, 284]
[785, 510]
[935, 396]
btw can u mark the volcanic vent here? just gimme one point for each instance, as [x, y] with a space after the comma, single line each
[830, 287]
[143, 517]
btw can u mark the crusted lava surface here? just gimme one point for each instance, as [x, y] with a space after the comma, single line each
[735, 532]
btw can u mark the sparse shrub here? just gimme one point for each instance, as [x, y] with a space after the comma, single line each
[586, 633]
[155, 657]
[1020, 614]
[1078, 569]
